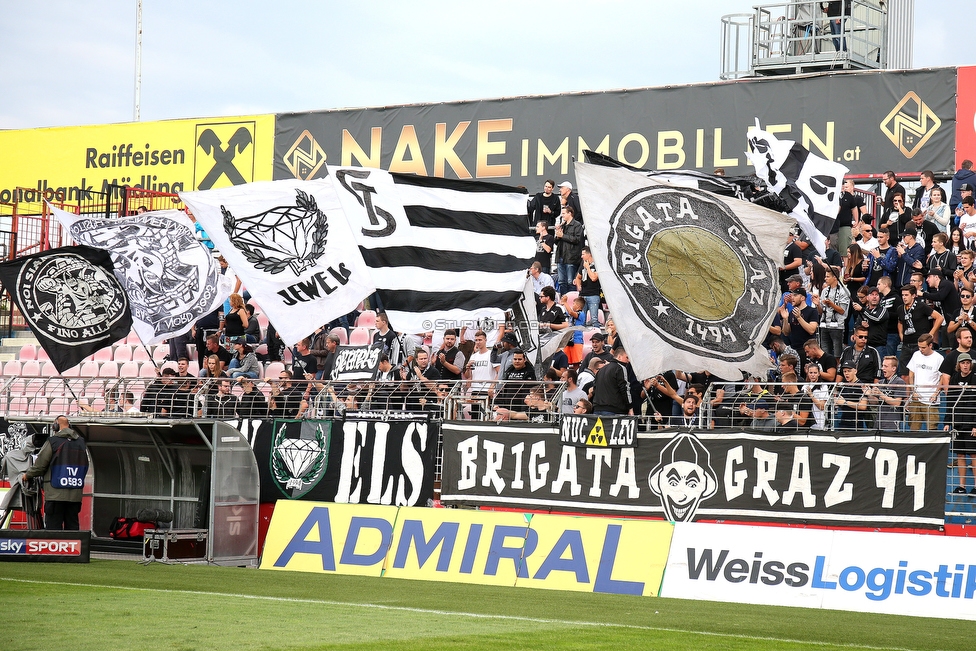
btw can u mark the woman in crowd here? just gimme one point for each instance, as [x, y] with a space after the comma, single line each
[245, 362]
[938, 212]
[236, 320]
[818, 392]
[957, 241]
[834, 303]
[211, 371]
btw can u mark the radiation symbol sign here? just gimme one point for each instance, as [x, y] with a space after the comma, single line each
[597, 435]
[694, 274]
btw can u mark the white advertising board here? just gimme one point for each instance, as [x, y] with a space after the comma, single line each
[900, 574]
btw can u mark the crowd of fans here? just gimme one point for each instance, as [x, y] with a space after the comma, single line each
[874, 334]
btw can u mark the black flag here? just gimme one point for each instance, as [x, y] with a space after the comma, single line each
[71, 301]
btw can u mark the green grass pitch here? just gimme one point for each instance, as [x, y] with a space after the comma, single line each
[123, 605]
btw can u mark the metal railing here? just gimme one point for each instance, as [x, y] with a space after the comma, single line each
[797, 36]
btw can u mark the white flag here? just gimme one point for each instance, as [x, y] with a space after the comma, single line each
[443, 253]
[690, 277]
[169, 276]
[290, 244]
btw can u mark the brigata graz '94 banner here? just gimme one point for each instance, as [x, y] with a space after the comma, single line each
[849, 479]
[361, 461]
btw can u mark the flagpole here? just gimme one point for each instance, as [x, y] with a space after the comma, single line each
[138, 97]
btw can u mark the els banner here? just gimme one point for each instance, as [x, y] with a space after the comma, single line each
[353, 461]
[847, 479]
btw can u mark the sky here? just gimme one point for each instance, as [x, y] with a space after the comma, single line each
[73, 62]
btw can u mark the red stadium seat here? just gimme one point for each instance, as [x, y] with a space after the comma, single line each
[27, 352]
[30, 368]
[341, 333]
[103, 355]
[366, 319]
[140, 354]
[11, 368]
[108, 369]
[272, 370]
[360, 336]
[122, 354]
[148, 369]
[129, 369]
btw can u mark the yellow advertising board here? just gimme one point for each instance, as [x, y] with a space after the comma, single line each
[586, 554]
[319, 537]
[168, 156]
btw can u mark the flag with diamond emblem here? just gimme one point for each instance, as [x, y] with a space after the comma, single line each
[291, 246]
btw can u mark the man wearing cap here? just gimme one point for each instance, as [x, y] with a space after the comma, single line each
[569, 198]
[963, 178]
[924, 376]
[599, 349]
[911, 255]
[865, 359]
[793, 282]
[965, 190]
[800, 321]
[875, 318]
[504, 349]
[961, 417]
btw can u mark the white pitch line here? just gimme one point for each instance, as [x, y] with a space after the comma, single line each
[450, 613]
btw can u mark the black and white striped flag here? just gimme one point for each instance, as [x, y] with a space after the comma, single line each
[442, 253]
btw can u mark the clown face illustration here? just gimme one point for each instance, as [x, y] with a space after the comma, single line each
[683, 477]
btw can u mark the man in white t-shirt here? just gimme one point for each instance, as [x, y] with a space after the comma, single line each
[924, 375]
[572, 394]
[967, 221]
[481, 372]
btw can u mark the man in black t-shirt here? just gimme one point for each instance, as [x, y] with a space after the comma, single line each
[792, 261]
[305, 365]
[915, 318]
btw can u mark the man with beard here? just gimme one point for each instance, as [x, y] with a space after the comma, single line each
[517, 381]
[449, 360]
[915, 319]
[422, 386]
[544, 206]
[892, 188]
[826, 362]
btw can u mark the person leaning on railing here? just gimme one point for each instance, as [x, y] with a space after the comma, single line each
[890, 396]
